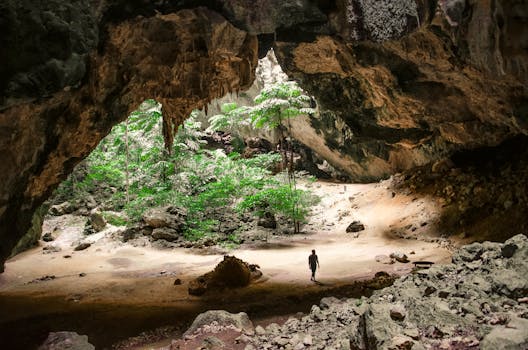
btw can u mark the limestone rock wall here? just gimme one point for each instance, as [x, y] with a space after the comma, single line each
[390, 106]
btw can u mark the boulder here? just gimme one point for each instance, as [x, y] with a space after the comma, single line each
[355, 226]
[513, 336]
[97, 220]
[223, 318]
[229, 273]
[400, 257]
[66, 341]
[170, 216]
[268, 221]
[61, 209]
[166, 233]
[397, 312]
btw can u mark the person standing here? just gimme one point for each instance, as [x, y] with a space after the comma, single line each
[313, 263]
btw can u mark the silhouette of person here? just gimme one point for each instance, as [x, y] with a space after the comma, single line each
[313, 263]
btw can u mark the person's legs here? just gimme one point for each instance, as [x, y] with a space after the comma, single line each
[313, 274]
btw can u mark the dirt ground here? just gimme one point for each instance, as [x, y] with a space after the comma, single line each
[130, 288]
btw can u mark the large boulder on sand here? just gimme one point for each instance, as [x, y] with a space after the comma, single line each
[229, 273]
[66, 340]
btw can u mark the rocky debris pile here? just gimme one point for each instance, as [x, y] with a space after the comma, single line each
[216, 329]
[479, 301]
[66, 340]
[165, 224]
[229, 273]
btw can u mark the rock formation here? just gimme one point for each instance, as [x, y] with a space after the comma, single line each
[477, 302]
[398, 85]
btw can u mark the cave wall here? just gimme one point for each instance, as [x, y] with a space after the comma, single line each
[390, 105]
[399, 83]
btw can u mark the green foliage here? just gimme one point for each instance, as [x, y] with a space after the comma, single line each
[130, 170]
[273, 105]
[278, 103]
[115, 220]
[293, 204]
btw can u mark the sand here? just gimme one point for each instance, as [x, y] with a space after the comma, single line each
[119, 274]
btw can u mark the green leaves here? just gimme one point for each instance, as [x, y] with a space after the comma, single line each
[293, 204]
[272, 106]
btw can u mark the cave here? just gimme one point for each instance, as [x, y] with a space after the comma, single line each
[420, 106]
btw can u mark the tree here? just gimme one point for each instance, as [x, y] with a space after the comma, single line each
[274, 106]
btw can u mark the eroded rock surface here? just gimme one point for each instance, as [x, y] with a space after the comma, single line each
[66, 340]
[229, 273]
[391, 106]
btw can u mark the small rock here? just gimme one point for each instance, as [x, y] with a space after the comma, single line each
[177, 282]
[82, 246]
[51, 249]
[443, 294]
[397, 313]
[67, 256]
[82, 274]
[429, 290]
[508, 250]
[47, 237]
[400, 257]
[259, 330]
[384, 259]
[61, 209]
[414, 333]
[355, 226]
[307, 340]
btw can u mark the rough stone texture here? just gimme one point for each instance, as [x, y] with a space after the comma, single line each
[475, 312]
[45, 46]
[66, 341]
[229, 273]
[32, 236]
[223, 318]
[492, 33]
[392, 106]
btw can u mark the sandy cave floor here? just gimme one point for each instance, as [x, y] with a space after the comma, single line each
[133, 285]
